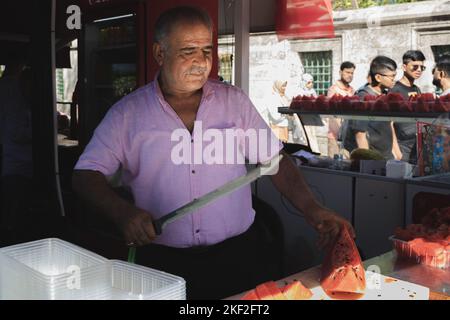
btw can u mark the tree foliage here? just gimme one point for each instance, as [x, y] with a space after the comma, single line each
[349, 4]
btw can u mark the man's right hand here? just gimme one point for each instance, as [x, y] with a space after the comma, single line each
[136, 224]
[137, 228]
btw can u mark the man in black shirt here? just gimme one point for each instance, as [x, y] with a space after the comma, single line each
[413, 67]
[376, 135]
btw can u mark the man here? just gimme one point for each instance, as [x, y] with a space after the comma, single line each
[376, 135]
[213, 247]
[413, 68]
[441, 75]
[343, 88]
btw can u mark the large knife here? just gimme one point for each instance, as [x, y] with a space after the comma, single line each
[252, 175]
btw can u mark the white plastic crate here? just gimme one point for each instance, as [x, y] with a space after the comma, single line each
[134, 282]
[51, 269]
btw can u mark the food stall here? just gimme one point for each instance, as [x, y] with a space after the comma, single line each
[114, 59]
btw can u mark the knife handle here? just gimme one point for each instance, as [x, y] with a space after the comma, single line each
[157, 225]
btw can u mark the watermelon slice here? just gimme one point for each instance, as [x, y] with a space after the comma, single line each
[343, 275]
[263, 292]
[275, 291]
[296, 291]
[250, 295]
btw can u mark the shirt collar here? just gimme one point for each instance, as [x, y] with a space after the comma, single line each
[208, 91]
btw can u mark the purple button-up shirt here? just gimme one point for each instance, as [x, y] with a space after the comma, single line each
[137, 135]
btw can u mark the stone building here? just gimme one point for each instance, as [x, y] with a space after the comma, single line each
[360, 35]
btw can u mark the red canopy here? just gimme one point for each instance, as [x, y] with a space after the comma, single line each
[304, 19]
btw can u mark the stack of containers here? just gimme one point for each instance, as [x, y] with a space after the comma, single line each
[133, 282]
[52, 269]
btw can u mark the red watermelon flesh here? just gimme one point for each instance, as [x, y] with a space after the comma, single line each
[263, 292]
[296, 291]
[274, 290]
[250, 295]
[343, 275]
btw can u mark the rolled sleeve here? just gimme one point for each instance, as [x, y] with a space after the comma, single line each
[104, 152]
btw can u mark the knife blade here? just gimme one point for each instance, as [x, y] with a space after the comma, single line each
[252, 175]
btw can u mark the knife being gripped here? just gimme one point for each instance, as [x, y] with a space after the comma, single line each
[227, 188]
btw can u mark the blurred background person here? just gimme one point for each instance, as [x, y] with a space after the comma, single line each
[310, 122]
[441, 75]
[413, 68]
[307, 86]
[341, 87]
[278, 122]
[375, 135]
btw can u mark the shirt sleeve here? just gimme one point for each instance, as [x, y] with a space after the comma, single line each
[268, 144]
[331, 91]
[104, 152]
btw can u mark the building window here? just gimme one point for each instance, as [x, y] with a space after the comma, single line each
[226, 67]
[60, 85]
[440, 50]
[319, 65]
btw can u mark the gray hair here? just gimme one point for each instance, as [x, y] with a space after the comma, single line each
[168, 20]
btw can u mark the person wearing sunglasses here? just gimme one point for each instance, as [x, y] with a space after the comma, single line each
[375, 135]
[413, 68]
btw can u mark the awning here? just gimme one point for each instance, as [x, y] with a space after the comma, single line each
[304, 19]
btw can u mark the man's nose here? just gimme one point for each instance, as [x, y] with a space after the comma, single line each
[200, 58]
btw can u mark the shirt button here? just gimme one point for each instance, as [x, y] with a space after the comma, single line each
[197, 231]
[192, 141]
[193, 171]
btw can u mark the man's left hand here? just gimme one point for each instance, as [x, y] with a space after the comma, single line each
[328, 224]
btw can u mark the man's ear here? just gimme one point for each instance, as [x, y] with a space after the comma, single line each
[404, 67]
[158, 53]
[378, 78]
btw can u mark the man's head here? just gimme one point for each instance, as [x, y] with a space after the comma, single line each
[441, 73]
[383, 71]
[183, 48]
[413, 64]
[346, 72]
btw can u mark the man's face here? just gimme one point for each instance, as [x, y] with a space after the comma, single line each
[387, 78]
[347, 75]
[185, 57]
[414, 69]
[437, 76]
